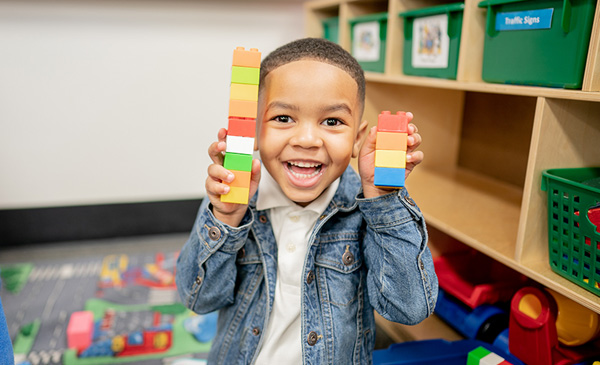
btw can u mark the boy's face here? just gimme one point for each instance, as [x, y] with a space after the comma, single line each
[308, 126]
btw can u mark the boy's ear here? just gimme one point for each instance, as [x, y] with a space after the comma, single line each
[360, 133]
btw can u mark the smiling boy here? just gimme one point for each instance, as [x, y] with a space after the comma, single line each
[297, 272]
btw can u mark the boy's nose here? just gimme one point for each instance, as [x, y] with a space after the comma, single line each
[306, 135]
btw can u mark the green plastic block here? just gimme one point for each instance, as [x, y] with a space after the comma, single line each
[238, 161]
[476, 355]
[245, 75]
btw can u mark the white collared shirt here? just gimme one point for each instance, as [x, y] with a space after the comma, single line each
[292, 226]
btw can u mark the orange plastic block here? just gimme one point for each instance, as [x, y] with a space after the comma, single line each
[391, 141]
[243, 108]
[243, 127]
[241, 180]
[388, 122]
[236, 195]
[244, 58]
[243, 92]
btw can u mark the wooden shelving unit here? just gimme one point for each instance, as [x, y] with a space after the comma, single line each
[485, 144]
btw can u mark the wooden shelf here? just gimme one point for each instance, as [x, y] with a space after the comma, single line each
[485, 144]
[541, 272]
[476, 210]
[483, 87]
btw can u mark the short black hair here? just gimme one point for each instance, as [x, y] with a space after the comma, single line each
[315, 49]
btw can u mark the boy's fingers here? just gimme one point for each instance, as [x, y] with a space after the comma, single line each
[414, 140]
[219, 173]
[216, 188]
[216, 150]
[255, 175]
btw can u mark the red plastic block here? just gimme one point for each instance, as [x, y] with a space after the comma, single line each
[243, 127]
[392, 123]
[80, 330]
[244, 58]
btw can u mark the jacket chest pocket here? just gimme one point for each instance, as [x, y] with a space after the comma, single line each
[338, 262]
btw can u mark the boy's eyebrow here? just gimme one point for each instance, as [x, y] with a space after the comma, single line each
[326, 109]
[336, 107]
[282, 105]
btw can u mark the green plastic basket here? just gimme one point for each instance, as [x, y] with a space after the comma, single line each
[377, 64]
[573, 240]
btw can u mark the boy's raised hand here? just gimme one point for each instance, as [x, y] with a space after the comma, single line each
[227, 213]
[366, 159]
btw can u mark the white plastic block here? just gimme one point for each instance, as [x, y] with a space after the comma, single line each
[237, 144]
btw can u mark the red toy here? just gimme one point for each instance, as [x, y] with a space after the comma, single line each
[532, 331]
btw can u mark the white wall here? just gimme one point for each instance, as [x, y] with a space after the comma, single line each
[117, 101]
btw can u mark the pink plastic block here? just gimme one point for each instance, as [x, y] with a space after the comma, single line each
[80, 330]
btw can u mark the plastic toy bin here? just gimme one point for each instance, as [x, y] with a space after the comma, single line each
[432, 40]
[574, 224]
[541, 42]
[368, 34]
[331, 28]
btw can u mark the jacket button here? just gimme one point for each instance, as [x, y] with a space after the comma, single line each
[312, 338]
[348, 258]
[262, 219]
[409, 200]
[214, 233]
[310, 277]
[198, 280]
[256, 331]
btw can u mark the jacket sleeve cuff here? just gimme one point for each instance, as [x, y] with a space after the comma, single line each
[388, 210]
[215, 235]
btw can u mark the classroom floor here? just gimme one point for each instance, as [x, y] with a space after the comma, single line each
[92, 251]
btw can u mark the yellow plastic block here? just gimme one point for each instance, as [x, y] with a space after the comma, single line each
[391, 141]
[236, 195]
[244, 58]
[244, 92]
[243, 108]
[396, 159]
[241, 180]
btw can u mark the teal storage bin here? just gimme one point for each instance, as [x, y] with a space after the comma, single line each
[368, 34]
[331, 29]
[432, 40]
[537, 42]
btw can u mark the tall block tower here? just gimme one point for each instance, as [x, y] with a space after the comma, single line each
[390, 149]
[243, 104]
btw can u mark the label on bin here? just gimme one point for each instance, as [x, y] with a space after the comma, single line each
[431, 44]
[524, 20]
[366, 42]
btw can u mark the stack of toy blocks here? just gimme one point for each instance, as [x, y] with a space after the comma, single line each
[243, 102]
[483, 356]
[390, 149]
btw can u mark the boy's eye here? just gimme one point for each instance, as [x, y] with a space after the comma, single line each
[332, 122]
[283, 119]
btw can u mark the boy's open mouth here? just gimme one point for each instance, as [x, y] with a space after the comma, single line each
[303, 169]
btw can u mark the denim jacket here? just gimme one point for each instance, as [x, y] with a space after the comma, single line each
[363, 254]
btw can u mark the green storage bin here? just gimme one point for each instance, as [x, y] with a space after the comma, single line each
[368, 34]
[540, 42]
[331, 29]
[573, 239]
[432, 41]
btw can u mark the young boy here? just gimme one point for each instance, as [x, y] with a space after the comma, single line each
[297, 272]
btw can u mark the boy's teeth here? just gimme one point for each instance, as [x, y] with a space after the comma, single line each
[304, 164]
